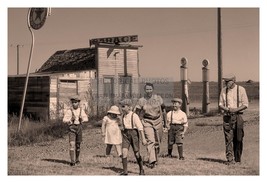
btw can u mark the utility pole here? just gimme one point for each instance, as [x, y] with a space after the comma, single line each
[220, 69]
[18, 45]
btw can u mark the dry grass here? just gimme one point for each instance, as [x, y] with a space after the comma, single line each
[33, 131]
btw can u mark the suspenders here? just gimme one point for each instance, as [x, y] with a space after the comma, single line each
[237, 96]
[171, 116]
[131, 121]
[237, 93]
[79, 114]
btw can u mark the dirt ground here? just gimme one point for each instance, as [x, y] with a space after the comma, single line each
[204, 151]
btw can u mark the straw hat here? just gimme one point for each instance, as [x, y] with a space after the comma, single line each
[114, 110]
[229, 77]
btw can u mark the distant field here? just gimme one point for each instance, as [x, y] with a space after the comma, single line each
[169, 90]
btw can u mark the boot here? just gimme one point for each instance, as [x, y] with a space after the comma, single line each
[180, 151]
[72, 161]
[169, 153]
[77, 157]
[124, 165]
[77, 153]
[140, 163]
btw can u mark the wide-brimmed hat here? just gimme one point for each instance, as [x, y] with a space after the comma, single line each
[114, 110]
[229, 77]
[177, 100]
[126, 102]
[75, 98]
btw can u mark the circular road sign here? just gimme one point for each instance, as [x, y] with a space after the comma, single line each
[37, 17]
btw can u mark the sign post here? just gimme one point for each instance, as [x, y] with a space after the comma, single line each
[36, 19]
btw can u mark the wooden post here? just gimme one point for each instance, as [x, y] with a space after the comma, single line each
[205, 79]
[183, 77]
[97, 78]
[220, 70]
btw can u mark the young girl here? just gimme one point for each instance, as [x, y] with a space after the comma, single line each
[111, 130]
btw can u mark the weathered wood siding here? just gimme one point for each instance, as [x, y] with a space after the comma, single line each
[111, 64]
[48, 96]
[65, 85]
[37, 96]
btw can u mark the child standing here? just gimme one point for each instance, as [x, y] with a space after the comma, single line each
[74, 117]
[131, 128]
[177, 125]
[111, 131]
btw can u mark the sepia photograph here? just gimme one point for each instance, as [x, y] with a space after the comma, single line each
[133, 91]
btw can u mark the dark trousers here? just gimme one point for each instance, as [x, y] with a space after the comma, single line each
[233, 133]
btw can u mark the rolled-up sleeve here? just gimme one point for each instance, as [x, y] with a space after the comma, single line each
[84, 116]
[137, 122]
[67, 116]
[244, 97]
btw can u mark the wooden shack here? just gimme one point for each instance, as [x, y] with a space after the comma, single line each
[101, 74]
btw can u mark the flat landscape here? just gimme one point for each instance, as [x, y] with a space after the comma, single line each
[204, 152]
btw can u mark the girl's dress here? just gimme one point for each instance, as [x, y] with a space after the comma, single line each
[113, 132]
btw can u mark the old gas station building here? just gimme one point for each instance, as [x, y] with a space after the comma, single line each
[102, 74]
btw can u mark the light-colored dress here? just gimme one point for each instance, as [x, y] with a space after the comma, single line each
[112, 130]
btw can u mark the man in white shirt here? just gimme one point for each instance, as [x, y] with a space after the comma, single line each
[233, 101]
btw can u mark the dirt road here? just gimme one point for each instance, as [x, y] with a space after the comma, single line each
[203, 149]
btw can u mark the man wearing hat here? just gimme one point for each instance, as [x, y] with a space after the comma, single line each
[74, 117]
[233, 101]
[132, 126]
[177, 125]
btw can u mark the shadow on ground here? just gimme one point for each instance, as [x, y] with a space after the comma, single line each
[116, 170]
[57, 161]
[213, 160]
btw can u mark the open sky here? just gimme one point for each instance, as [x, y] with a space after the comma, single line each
[166, 34]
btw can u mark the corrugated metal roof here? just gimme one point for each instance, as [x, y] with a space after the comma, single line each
[70, 60]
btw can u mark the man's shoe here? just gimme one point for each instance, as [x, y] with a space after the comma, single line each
[181, 158]
[77, 162]
[142, 172]
[124, 173]
[72, 164]
[152, 165]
